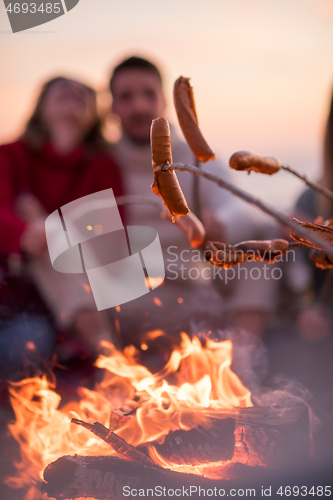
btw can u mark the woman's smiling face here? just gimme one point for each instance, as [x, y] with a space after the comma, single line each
[70, 101]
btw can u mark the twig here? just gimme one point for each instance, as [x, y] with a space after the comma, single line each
[131, 199]
[314, 185]
[196, 194]
[283, 219]
[118, 444]
[294, 244]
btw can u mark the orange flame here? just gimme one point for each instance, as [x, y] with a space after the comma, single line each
[204, 385]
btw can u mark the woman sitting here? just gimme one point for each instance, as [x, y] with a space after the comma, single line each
[61, 156]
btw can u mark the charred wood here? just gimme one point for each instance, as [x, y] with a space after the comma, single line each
[104, 478]
[199, 445]
[255, 436]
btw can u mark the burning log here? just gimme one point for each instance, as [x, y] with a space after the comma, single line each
[234, 444]
[252, 436]
[107, 478]
[199, 445]
[256, 436]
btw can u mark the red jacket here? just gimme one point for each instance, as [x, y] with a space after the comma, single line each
[54, 179]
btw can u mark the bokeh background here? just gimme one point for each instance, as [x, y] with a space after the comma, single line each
[261, 69]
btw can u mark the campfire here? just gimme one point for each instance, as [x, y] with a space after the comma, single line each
[195, 417]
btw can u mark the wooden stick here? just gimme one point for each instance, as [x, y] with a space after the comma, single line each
[131, 199]
[197, 208]
[283, 219]
[314, 185]
[118, 444]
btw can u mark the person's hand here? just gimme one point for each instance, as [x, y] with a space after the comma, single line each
[33, 240]
[28, 207]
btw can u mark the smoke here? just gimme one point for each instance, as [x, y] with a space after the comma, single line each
[250, 360]
[285, 393]
[251, 365]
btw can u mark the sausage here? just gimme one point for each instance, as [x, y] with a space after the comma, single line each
[191, 226]
[223, 254]
[244, 160]
[265, 249]
[165, 184]
[226, 255]
[188, 121]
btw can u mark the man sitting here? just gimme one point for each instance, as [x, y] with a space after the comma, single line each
[137, 91]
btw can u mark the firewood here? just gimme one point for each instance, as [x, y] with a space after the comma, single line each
[262, 438]
[199, 445]
[255, 436]
[119, 418]
[117, 443]
[103, 478]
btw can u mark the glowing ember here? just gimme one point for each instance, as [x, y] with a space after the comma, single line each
[117, 325]
[87, 288]
[204, 385]
[30, 346]
[157, 302]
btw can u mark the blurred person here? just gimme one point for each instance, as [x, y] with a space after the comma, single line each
[138, 98]
[61, 156]
[315, 320]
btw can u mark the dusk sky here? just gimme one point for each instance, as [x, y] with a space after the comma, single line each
[261, 70]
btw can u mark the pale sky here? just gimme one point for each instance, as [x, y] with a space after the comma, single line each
[261, 70]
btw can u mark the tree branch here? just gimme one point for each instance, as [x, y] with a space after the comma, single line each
[283, 219]
[131, 199]
[314, 185]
